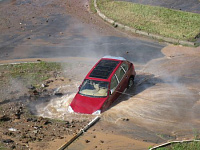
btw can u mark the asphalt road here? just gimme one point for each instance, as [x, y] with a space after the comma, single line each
[62, 35]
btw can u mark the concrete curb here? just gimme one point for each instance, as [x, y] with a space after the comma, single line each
[173, 142]
[154, 36]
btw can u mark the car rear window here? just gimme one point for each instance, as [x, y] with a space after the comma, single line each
[103, 69]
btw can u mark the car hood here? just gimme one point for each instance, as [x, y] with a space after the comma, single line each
[86, 105]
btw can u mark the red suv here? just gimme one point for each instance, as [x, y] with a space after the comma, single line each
[103, 84]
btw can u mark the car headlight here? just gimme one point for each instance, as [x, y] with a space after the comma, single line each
[70, 109]
[98, 112]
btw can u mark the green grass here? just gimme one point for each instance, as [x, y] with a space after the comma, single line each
[2, 147]
[92, 8]
[153, 19]
[182, 146]
[30, 73]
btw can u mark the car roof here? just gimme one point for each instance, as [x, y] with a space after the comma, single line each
[104, 68]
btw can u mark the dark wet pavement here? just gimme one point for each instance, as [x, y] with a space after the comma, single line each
[184, 5]
[61, 35]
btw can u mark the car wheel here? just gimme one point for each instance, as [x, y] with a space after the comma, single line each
[130, 82]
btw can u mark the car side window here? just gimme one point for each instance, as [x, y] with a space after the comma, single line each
[124, 66]
[113, 83]
[121, 71]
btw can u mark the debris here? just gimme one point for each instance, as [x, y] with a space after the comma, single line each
[38, 127]
[24, 140]
[125, 119]
[46, 122]
[29, 119]
[49, 81]
[35, 92]
[31, 87]
[58, 94]
[18, 114]
[87, 141]
[102, 141]
[13, 147]
[44, 85]
[12, 129]
[4, 118]
[115, 25]
[8, 141]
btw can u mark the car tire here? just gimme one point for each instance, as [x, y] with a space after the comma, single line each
[130, 82]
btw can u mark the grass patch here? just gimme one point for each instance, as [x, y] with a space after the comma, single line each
[182, 146]
[2, 147]
[92, 8]
[158, 20]
[29, 73]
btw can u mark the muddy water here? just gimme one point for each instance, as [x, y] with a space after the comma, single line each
[166, 103]
[163, 104]
[56, 108]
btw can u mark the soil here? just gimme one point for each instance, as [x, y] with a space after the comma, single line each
[22, 125]
[162, 106]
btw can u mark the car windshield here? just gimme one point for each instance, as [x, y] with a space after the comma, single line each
[93, 88]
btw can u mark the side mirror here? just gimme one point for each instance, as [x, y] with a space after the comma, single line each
[79, 87]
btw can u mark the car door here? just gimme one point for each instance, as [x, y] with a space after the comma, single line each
[113, 94]
[118, 83]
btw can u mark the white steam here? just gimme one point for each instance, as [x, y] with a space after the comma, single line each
[55, 108]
